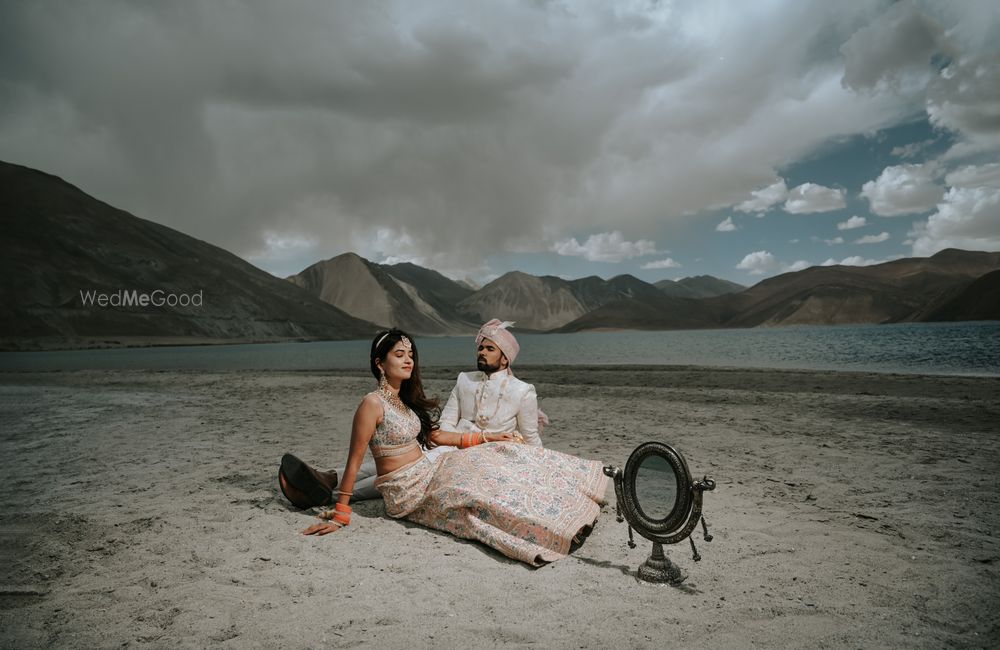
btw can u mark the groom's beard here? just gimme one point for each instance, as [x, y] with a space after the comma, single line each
[485, 367]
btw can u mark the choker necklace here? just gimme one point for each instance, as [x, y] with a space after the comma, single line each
[393, 399]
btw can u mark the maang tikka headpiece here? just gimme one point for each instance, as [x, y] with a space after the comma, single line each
[407, 344]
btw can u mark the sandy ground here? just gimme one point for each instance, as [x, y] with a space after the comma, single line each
[852, 510]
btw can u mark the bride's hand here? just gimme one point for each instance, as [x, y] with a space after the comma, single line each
[505, 436]
[322, 529]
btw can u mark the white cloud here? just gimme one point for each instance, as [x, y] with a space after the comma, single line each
[763, 199]
[286, 253]
[834, 241]
[903, 189]
[726, 226]
[759, 263]
[387, 242]
[605, 247]
[901, 50]
[855, 260]
[965, 98]
[975, 176]
[967, 218]
[892, 52]
[852, 223]
[912, 150]
[872, 239]
[667, 263]
[810, 197]
[765, 263]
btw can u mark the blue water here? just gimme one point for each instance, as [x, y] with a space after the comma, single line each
[931, 348]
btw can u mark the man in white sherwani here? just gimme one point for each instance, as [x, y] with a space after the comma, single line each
[491, 399]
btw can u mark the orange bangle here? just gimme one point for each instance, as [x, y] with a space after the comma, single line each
[342, 519]
[340, 507]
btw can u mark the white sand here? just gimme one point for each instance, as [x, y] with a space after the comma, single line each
[852, 510]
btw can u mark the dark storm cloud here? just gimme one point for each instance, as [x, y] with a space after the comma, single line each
[435, 131]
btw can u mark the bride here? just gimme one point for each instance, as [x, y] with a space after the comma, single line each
[529, 503]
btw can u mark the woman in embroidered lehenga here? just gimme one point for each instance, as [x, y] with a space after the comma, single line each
[527, 502]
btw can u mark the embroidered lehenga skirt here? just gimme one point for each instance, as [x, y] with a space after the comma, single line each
[526, 502]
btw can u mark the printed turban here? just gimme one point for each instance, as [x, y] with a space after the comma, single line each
[497, 332]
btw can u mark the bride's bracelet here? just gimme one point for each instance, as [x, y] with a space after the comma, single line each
[472, 439]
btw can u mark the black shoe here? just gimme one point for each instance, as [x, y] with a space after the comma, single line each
[310, 487]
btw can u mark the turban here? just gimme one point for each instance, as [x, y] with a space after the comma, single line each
[497, 332]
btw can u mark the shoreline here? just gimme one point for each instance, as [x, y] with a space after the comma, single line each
[912, 349]
[115, 342]
[525, 371]
[852, 509]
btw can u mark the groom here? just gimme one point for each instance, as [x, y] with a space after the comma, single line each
[491, 399]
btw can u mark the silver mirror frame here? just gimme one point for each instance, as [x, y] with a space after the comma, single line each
[655, 529]
[676, 526]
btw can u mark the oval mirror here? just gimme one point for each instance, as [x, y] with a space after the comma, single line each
[660, 501]
[657, 487]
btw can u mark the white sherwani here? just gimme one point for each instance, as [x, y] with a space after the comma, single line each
[494, 404]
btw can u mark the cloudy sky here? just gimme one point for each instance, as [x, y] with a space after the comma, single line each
[662, 139]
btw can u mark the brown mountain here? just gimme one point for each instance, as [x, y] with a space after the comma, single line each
[408, 296]
[534, 303]
[975, 300]
[659, 312]
[699, 286]
[951, 285]
[61, 244]
[635, 304]
[891, 292]
[548, 303]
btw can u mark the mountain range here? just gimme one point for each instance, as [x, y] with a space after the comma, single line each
[424, 301]
[62, 245]
[950, 285]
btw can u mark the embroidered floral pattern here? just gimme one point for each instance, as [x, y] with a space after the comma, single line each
[526, 502]
[396, 433]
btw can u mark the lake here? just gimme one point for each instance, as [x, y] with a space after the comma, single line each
[970, 348]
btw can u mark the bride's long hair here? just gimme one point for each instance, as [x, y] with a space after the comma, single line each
[411, 391]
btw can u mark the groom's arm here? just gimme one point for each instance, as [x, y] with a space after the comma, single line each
[527, 418]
